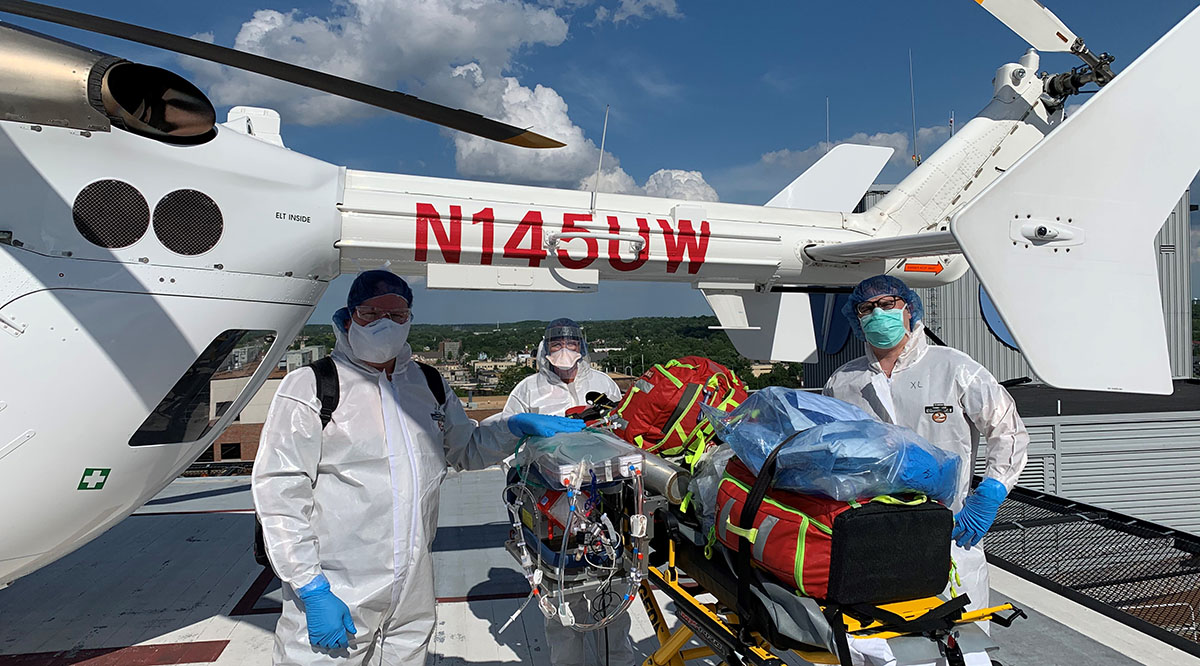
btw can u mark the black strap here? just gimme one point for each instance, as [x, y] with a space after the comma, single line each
[763, 483]
[938, 618]
[328, 391]
[434, 378]
[833, 615]
[685, 400]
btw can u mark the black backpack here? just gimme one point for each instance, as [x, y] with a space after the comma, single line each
[329, 393]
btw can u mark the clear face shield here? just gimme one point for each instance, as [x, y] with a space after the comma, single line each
[564, 347]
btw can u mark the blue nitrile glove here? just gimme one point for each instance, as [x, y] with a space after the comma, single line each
[978, 513]
[542, 425]
[922, 472]
[328, 617]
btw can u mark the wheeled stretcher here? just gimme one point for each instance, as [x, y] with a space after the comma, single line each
[773, 618]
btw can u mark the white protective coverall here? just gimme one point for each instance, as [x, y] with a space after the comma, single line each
[949, 399]
[546, 393]
[358, 502]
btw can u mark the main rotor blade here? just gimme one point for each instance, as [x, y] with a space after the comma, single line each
[458, 119]
[1033, 23]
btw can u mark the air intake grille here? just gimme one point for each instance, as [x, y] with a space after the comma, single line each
[188, 222]
[111, 214]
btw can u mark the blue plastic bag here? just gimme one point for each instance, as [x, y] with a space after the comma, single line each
[840, 452]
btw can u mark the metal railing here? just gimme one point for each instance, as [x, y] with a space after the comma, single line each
[1139, 573]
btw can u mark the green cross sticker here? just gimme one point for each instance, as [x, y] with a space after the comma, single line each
[94, 478]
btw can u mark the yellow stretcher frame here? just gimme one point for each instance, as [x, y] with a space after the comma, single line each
[671, 650]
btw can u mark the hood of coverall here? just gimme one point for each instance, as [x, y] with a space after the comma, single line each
[563, 328]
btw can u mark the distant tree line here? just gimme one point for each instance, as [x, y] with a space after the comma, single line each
[643, 342]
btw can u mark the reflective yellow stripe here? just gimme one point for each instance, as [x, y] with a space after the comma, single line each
[888, 499]
[676, 382]
[628, 396]
[750, 534]
[799, 572]
[821, 526]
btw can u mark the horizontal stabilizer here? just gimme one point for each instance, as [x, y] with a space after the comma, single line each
[837, 181]
[895, 247]
[765, 326]
[1064, 240]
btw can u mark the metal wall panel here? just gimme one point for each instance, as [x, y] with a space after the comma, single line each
[1174, 275]
[1145, 465]
[1041, 471]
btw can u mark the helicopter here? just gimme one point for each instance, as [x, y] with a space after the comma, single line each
[144, 243]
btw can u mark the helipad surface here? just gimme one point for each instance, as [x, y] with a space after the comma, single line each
[176, 583]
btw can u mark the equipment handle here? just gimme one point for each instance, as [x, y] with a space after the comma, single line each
[553, 238]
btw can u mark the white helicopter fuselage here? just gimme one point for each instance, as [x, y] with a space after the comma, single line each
[132, 268]
[95, 339]
[105, 398]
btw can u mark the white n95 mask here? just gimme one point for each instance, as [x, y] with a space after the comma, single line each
[380, 341]
[564, 359]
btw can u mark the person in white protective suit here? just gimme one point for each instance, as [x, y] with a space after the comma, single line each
[565, 375]
[349, 510]
[949, 399]
[564, 379]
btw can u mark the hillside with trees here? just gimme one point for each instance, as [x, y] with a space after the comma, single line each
[633, 345]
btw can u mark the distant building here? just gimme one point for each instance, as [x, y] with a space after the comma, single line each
[298, 358]
[492, 366]
[240, 439]
[487, 381]
[450, 350]
[242, 357]
[760, 369]
[623, 381]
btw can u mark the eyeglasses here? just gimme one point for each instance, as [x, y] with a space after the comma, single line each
[884, 303]
[369, 314]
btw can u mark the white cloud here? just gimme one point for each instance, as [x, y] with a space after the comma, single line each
[407, 46]
[458, 53]
[665, 183]
[642, 9]
[758, 181]
[677, 184]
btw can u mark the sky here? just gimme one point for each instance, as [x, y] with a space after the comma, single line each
[709, 100]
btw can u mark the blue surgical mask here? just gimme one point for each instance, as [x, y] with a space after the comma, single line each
[884, 329]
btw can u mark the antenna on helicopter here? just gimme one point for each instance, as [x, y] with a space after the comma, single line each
[827, 144]
[391, 100]
[912, 89]
[600, 165]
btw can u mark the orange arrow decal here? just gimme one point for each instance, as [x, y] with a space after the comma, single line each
[923, 268]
